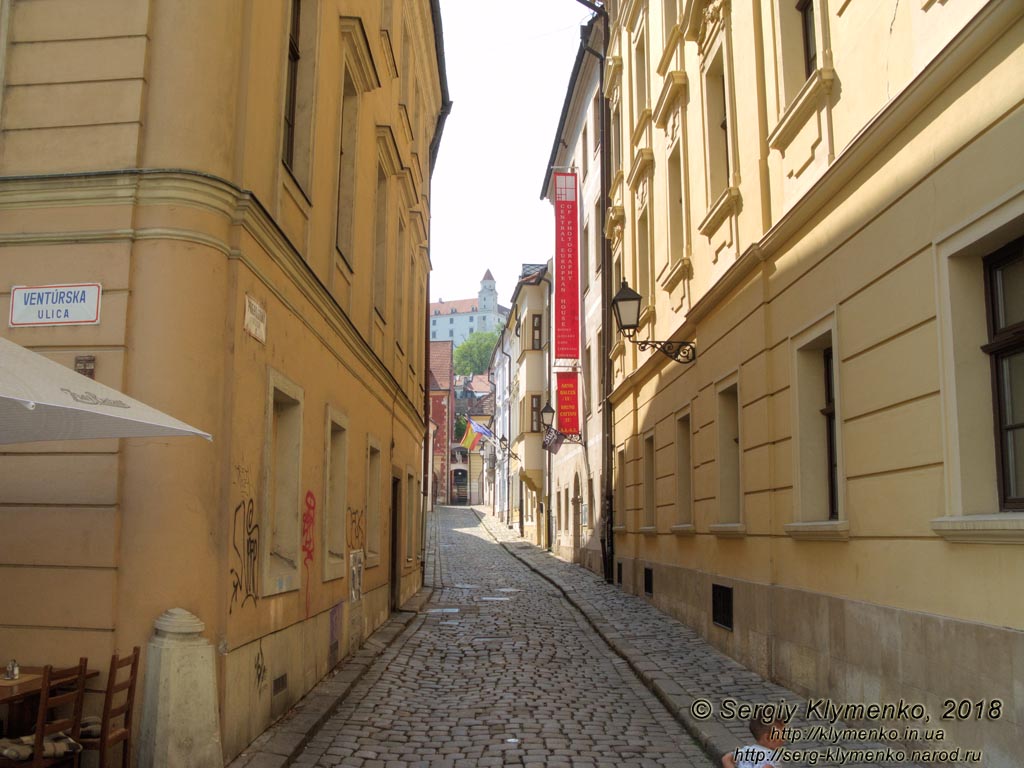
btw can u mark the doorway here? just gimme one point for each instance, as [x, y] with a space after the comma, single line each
[396, 567]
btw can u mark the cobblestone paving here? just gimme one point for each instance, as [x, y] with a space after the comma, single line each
[682, 668]
[497, 669]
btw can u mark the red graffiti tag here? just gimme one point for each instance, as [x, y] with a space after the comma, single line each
[308, 520]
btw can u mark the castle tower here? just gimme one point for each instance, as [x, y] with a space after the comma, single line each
[488, 295]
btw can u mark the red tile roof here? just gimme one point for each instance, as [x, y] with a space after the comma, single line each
[460, 306]
[440, 375]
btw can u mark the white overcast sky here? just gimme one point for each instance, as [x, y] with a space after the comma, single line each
[508, 65]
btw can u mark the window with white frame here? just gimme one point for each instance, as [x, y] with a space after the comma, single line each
[374, 512]
[718, 127]
[296, 141]
[380, 247]
[336, 465]
[817, 480]
[283, 461]
[1004, 279]
[684, 471]
[650, 483]
[728, 429]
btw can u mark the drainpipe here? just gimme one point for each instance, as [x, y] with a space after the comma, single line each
[508, 437]
[608, 511]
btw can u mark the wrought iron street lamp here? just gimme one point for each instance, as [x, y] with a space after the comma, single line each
[626, 308]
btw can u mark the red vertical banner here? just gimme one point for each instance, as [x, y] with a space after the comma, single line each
[567, 257]
[568, 403]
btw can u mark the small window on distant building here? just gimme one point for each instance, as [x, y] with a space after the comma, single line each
[537, 331]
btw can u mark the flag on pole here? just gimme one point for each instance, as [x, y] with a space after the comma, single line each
[471, 439]
[480, 429]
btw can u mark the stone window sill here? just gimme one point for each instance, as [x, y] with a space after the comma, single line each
[648, 530]
[726, 530]
[1003, 528]
[819, 530]
[618, 529]
[683, 529]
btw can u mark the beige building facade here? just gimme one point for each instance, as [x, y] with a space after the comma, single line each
[249, 183]
[826, 197]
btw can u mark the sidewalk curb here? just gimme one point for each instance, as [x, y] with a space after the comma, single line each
[713, 738]
[285, 740]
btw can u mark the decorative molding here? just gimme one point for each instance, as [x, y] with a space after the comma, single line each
[1002, 528]
[643, 121]
[615, 188]
[711, 22]
[810, 96]
[819, 530]
[630, 12]
[643, 166]
[673, 44]
[672, 92]
[358, 54]
[389, 53]
[615, 219]
[728, 530]
[676, 272]
[387, 150]
[726, 205]
[612, 75]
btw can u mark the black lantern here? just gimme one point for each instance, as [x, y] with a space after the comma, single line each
[626, 306]
[547, 414]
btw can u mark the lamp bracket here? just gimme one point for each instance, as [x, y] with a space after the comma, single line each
[680, 351]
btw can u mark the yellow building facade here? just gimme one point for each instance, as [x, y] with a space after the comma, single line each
[826, 197]
[249, 183]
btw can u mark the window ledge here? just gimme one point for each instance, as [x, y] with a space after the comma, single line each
[818, 85]
[726, 204]
[675, 273]
[649, 530]
[643, 120]
[819, 530]
[671, 92]
[618, 529]
[643, 165]
[726, 530]
[683, 529]
[1003, 528]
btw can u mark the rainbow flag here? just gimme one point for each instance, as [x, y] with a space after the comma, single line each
[471, 439]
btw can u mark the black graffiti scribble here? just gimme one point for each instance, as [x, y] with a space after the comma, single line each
[260, 666]
[244, 577]
[358, 532]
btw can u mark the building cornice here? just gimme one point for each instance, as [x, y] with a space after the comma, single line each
[986, 26]
[239, 208]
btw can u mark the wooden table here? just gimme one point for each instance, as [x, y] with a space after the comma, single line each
[21, 697]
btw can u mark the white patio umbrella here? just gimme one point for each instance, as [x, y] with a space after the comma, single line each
[44, 400]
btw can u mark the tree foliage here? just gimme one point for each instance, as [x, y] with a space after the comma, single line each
[474, 354]
[460, 427]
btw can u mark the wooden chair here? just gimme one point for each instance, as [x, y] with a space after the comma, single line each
[59, 688]
[110, 733]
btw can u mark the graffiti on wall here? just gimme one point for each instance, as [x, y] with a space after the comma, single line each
[245, 541]
[308, 540]
[357, 534]
[260, 668]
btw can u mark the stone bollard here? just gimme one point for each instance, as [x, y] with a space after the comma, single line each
[180, 727]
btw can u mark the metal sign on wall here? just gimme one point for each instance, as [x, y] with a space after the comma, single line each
[65, 304]
[568, 403]
[567, 291]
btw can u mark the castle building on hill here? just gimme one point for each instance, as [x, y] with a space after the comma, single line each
[455, 320]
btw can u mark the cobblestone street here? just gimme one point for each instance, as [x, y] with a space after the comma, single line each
[497, 669]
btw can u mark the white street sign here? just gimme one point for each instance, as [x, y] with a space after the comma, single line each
[68, 304]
